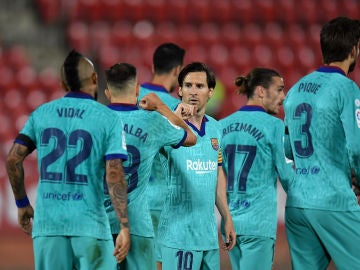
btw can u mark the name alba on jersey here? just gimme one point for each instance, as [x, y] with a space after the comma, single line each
[201, 167]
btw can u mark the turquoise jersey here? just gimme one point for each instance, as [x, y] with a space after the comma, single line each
[146, 132]
[323, 118]
[254, 158]
[157, 186]
[188, 220]
[73, 135]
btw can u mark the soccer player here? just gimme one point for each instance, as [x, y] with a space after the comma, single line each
[322, 114]
[253, 157]
[168, 60]
[77, 140]
[187, 232]
[145, 133]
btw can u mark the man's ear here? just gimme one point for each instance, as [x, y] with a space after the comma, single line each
[355, 52]
[176, 70]
[180, 93]
[94, 78]
[107, 94]
[259, 91]
[64, 86]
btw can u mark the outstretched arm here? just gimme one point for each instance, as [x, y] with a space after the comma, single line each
[15, 171]
[152, 102]
[222, 206]
[117, 187]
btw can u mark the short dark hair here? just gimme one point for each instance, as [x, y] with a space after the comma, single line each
[120, 74]
[198, 67]
[70, 73]
[256, 77]
[338, 37]
[166, 57]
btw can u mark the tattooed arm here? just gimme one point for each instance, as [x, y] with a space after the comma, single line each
[15, 171]
[117, 186]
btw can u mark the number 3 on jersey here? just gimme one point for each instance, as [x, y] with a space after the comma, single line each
[304, 148]
[239, 154]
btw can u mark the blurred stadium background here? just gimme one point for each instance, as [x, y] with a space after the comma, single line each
[231, 36]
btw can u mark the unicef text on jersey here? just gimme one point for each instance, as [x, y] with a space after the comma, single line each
[308, 170]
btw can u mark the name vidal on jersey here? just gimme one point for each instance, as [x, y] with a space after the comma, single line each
[243, 127]
[201, 167]
[70, 113]
[137, 132]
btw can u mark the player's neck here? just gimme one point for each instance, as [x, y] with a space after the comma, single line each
[163, 80]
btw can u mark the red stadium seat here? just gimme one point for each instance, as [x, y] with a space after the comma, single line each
[109, 55]
[49, 81]
[219, 55]
[165, 32]
[242, 11]
[36, 98]
[121, 34]
[143, 32]
[285, 11]
[199, 11]
[134, 9]
[17, 57]
[78, 37]
[188, 34]
[252, 34]
[274, 34]
[264, 10]
[113, 10]
[155, 10]
[230, 34]
[8, 80]
[240, 57]
[177, 11]
[196, 53]
[350, 8]
[209, 33]
[220, 11]
[90, 10]
[285, 57]
[99, 35]
[263, 55]
[27, 78]
[307, 12]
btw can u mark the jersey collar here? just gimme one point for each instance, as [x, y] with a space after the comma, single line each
[123, 107]
[79, 94]
[252, 108]
[331, 69]
[155, 87]
[201, 132]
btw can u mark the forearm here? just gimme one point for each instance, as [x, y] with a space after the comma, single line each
[117, 190]
[221, 197]
[15, 170]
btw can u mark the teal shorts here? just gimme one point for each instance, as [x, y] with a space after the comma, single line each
[317, 236]
[248, 250]
[64, 252]
[140, 255]
[181, 259]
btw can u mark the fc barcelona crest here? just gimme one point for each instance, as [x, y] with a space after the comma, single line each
[215, 143]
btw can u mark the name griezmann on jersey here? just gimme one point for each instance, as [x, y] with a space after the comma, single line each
[244, 127]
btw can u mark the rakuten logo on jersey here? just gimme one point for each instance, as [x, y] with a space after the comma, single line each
[201, 167]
